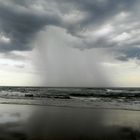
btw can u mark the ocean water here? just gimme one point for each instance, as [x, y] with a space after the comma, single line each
[69, 92]
[125, 98]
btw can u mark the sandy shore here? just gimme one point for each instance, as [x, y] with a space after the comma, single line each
[52, 122]
[15, 112]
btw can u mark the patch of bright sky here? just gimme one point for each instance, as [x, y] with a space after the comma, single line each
[4, 39]
[124, 73]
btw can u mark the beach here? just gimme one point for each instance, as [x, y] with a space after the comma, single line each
[69, 69]
[28, 113]
[52, 122]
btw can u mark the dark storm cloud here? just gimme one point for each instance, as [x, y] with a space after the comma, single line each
[20, 22]
[101, 12]
[96, 12]
[20, 25]
[129, 53]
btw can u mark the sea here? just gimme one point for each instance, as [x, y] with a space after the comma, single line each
[125, 98]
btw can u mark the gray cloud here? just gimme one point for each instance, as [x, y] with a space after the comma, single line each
[99, 13]
[129, 53]
[21, 24]
[21, 21]
[95, 13]
[13, 56]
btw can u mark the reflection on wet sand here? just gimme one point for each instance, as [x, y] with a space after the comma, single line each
[61, 123]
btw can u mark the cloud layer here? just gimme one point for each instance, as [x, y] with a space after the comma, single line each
[97, 24]
[95, 33]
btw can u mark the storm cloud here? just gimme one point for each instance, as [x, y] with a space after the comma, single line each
[19, 24]
[95, 33]
[97, 24]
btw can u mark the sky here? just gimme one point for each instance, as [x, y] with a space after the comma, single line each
[84, 43]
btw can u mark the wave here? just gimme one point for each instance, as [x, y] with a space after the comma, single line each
[68, 93]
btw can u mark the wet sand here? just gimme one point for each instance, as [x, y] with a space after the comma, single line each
[52, 122]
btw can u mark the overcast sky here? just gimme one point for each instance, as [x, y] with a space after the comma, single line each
[70, 42]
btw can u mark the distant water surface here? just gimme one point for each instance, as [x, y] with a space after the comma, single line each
[119, 98]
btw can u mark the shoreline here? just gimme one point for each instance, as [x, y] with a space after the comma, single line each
[78, 107]
[33, 120]
[73, 103]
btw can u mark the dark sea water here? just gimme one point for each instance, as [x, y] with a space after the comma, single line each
[47, 92]
[120, 98]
